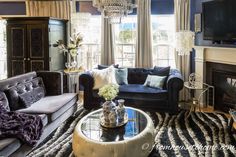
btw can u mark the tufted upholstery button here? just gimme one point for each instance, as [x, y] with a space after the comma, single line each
[18, 96]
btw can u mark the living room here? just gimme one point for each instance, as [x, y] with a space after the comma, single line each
[117, 78]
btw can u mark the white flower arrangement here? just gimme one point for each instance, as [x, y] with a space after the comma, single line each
[72, 48]
[109, 91]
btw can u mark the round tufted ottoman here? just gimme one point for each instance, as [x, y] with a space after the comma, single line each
[135, 139]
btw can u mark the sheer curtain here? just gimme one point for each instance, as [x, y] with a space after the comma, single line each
[144, 35]
[182, 17]
[107, 49]
[54, 8]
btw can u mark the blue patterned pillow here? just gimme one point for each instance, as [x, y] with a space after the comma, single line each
[155, 81]
[121, 76]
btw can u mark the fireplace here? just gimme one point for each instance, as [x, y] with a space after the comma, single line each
[223, 78]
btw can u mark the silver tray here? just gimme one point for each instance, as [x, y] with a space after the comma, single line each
[116, 125]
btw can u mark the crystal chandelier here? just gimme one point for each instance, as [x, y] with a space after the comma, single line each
[115, 10]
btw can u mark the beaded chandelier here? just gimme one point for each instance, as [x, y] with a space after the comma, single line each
[115, 10]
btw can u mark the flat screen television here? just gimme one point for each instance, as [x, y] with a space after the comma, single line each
[219, 20]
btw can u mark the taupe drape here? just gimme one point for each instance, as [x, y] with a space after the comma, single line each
[107, 49]
[53, 8]
[182, 18]
[143, 56]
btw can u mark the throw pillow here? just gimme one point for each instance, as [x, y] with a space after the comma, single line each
[155, 81]
[162, 71]
[4, 102]
[103, 77]
[25, 94]
[121, 76]
[100, 67]
[28, 98]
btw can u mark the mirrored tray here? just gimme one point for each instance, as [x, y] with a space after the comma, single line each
[116, 125]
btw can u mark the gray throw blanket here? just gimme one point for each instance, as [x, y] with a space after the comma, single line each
[28, 128]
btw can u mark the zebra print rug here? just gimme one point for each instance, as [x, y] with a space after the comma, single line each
[200, 134]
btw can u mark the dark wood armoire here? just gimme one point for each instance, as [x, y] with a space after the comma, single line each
[30, 44]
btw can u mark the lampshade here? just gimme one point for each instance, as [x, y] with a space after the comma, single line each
[184, 42]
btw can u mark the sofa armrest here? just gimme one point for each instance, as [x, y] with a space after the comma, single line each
[175, 83]
[86, 82]
[175, 80]
[53, 82]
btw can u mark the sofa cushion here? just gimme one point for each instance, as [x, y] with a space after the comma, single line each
[20, 96]
[162, 71]
[139, 75]
[4, 101]
[137, 88]
[8, 146]
[52, 106]
[140, 92]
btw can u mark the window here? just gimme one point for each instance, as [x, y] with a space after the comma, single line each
[163, 30]
[125, 41]
[3, 51]
[90, 27]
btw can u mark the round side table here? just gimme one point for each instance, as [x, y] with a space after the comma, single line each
[135, 139]
[203, 88]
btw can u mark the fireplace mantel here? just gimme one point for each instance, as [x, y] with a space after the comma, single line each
[224, 55]
[205, 54]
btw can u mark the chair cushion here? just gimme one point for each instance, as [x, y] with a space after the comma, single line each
[24, 94]
[52, 106]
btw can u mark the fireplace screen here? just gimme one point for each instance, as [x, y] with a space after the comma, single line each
[225, 85]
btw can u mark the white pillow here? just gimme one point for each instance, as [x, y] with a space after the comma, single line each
[103, 77]
[155, 81]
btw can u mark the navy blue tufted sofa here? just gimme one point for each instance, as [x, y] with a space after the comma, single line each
[137, 95]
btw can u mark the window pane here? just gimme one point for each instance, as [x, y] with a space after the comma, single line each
[3, 51]
[125, 39]
[90, 27]
[163, 39]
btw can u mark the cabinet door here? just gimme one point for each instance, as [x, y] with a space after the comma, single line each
[16, 48]
[37, 47]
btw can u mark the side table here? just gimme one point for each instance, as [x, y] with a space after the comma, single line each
[73, 80]
[203, 88]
